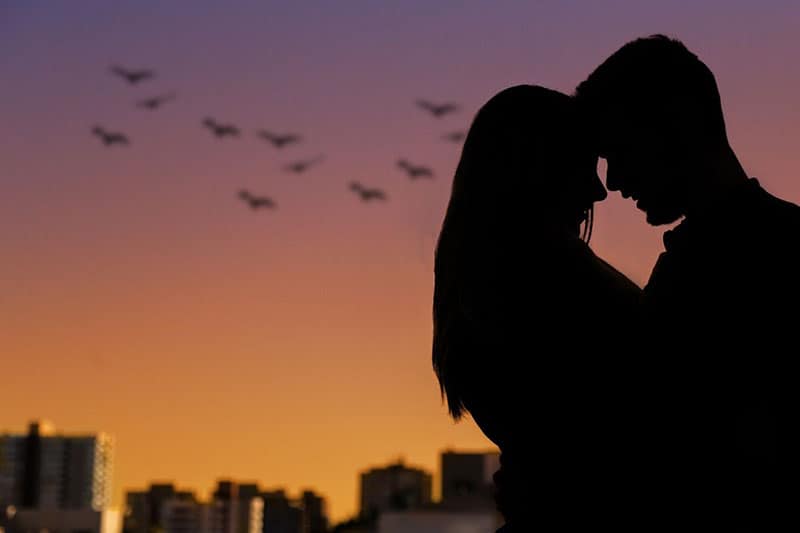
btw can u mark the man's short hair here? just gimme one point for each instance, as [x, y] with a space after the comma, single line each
[656, 82]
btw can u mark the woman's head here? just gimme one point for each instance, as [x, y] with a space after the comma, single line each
[526, 153]
[525, 170]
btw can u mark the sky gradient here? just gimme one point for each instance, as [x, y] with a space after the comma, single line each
[139, 297]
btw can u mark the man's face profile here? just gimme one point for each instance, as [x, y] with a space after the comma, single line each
[641, 168]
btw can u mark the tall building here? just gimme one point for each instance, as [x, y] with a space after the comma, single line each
[467, 480]
[136, 513]
[192, 516]
[233, 508]
[47, 471]
[144, 509]
[11, 467]
[236, 508]
[181, 515]
[256, 521]
[224, 506]
[251, 510]
[394, 487]
[315, 517]
[281, 515]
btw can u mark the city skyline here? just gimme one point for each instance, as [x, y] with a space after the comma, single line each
[143, 297]
[52, 478]
[60, 471]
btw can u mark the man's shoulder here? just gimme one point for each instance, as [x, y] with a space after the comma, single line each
[757, 240]
[775, 208]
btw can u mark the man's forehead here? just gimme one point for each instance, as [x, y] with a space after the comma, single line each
[612, 138]
[602, 144]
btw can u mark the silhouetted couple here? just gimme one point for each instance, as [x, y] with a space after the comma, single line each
[672, 408]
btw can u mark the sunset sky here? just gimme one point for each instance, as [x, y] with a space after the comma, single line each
[139, 297]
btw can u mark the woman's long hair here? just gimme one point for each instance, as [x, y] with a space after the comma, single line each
[507, 184]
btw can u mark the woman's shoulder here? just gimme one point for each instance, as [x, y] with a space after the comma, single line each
[571, 256]
[563, 276]
[616, 278]
[589, 280]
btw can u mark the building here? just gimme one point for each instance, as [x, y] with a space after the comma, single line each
[393, 488]
[224, 508]
[251, 513]
[60, 521]
[44, 470]
[143, 509]
[281, 515]
[181, 516]
[315, 517]
[438, 521]
[235, 508]
[306, 514]
[11, 467]
[467, 480]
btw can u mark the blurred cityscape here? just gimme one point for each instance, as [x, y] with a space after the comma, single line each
[56, 483]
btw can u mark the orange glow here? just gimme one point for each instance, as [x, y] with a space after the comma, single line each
[139, 297]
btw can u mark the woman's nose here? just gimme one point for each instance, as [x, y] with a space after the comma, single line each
[612, 178]
[599, 192]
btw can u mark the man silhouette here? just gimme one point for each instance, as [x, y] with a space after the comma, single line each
[721, 301]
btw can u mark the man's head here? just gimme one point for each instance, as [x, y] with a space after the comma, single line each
[656, 117]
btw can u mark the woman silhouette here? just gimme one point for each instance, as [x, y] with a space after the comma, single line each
[522, 308]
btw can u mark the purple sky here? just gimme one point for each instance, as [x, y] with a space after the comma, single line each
[290, 347]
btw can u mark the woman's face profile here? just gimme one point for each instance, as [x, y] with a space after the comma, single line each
[574, 185]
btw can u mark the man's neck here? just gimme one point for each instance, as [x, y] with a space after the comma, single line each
[721, 176]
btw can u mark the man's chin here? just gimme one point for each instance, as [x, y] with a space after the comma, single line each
[660, 218]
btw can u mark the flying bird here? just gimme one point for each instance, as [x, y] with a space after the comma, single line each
[298, 167]
[133, 76]
[257, 202]
[367, 194]
[454, 136]
[109, 138]
[415, 171]
[438, 110]
[221, 130]
[279, 141]
[155, 102]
